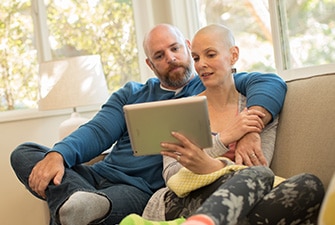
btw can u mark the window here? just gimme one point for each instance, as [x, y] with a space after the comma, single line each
[63, 28]
[18, 56]
[293, 38]
[305, 30]
[104, 27]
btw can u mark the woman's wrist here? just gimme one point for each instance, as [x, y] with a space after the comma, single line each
[218, 165]
[221, 140]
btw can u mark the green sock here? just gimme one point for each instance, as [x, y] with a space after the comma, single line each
[134, 219]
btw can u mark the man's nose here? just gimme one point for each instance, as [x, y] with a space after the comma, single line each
[170, 57]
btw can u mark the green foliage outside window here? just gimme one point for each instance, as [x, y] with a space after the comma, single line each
[18, 56]
[104, 27]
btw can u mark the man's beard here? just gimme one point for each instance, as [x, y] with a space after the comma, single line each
[177, 80]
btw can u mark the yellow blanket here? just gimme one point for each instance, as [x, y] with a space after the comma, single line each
[185, 181]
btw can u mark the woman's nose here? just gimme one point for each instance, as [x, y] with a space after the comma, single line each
[202, 63]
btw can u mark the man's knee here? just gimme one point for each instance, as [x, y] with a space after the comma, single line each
[25, 156]
[18, 154]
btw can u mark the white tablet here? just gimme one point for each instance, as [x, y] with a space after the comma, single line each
[151, 123]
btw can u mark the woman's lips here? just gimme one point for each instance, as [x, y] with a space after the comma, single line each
[206, 74]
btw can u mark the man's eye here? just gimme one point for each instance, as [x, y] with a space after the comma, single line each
[174, 49]
[158, 57]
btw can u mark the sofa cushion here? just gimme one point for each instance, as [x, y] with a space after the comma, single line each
[306, 130]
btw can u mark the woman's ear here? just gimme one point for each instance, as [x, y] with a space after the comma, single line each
[235, 52]
[188, 43]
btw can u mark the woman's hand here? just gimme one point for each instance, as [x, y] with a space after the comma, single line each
[245, 122]
[191, 156]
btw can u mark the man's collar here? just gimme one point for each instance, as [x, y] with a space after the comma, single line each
[176, 91]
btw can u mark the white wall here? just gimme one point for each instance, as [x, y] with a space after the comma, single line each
[17, 205]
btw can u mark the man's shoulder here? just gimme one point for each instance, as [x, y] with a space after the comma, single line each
[194, 87]
[136, 86]
[153, 81]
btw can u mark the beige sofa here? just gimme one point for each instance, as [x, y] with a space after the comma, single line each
[306, 131]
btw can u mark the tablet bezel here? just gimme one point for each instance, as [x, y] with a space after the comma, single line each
[151, 123]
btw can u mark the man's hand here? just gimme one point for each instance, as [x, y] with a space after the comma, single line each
[248, 151]
[49, 169]
[267, 115]
[245, 122]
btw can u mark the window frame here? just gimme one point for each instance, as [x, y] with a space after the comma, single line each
[279, 43]
[41, 30]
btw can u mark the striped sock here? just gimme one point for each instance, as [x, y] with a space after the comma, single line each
[134, 219]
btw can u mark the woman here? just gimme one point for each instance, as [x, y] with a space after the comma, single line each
[243, 196]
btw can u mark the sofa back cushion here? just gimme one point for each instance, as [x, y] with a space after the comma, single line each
[306, 131]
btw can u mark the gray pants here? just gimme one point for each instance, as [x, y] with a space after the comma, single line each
[247, 195]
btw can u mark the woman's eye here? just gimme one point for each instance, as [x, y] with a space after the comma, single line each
[195, 58]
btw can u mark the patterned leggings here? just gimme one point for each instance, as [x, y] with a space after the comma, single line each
[247, 197]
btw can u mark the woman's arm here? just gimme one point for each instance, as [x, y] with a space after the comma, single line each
[171, 166]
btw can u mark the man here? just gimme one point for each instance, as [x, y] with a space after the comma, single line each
[122, 184]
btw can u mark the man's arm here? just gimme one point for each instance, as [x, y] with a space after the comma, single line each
[267, 91]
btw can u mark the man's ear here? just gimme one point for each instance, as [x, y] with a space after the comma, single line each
[235, 53]
[149, 63]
